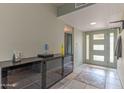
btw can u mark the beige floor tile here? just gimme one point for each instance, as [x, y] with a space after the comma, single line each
[74, 84]
[112, 74]
[113, 86]
[113, 81]
[90, 77]
[77, 71]
[71, 76]
[98, 71]
[90, 87]
[58, 85]
[65, 81]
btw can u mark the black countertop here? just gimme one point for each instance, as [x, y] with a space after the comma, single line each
[9, 63]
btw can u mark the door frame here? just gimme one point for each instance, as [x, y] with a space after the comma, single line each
[106, 46]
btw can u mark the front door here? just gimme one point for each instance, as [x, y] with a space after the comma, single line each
[100, 46]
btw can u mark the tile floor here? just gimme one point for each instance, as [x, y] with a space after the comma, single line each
[90, 77]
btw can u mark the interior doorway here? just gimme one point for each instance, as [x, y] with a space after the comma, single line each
[68, 40]
[100, 46]
[68, 43]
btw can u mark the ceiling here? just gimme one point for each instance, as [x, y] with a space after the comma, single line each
[101, 14]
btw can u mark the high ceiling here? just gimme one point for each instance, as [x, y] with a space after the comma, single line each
[97, 16]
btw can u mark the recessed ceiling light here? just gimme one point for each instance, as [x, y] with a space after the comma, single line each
[93, 23]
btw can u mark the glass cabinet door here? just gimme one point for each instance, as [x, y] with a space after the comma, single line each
[23, 77]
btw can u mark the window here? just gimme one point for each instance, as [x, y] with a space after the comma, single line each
[111, 47]
[87, 47]
[98, 58]
[98, 36]
[98, 47]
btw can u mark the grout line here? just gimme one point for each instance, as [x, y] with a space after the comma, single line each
[105, 79]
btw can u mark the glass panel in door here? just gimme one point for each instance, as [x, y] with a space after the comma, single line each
[98, 45]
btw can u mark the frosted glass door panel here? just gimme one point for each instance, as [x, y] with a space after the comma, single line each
[98, 58]
[87, 47]
[98, 36]
[111, 47]
[98, 47]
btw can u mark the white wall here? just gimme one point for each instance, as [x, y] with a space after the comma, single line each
[120, 64]
[78, 46]
[26, 27]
